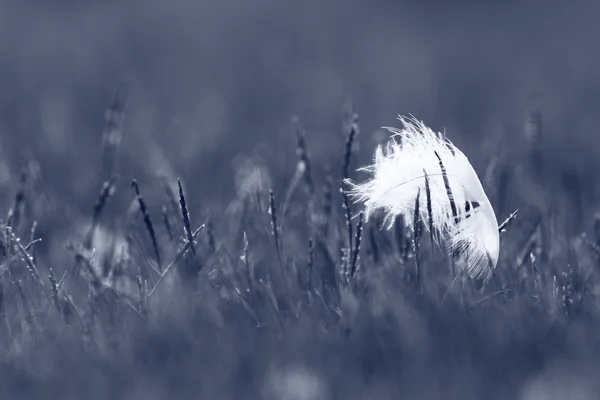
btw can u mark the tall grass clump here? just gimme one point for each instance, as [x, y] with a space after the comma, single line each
[401, 284]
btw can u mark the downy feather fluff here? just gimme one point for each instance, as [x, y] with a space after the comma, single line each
[419, 165]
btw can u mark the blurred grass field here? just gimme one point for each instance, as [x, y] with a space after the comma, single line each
[276, 298]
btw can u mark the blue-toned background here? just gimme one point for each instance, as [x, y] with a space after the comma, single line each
[210, 88]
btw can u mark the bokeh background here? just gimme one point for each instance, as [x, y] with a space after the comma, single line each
[211, 85]
[209, 80]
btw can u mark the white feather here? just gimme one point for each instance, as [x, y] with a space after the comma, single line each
[398, 175]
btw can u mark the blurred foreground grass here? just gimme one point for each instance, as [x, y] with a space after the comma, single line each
[287, 294]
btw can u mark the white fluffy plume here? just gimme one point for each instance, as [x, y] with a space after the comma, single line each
[418, 165]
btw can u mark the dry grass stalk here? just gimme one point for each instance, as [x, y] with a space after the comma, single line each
[14, 214]
[247, 265]
[26, 258]
[354, 267]
[275, 228]
[311, 260]
[348, 218]
[350, 137]
[417, 224]
[167, 224]
[113, 132]
[186, 218]
[175, 260]
[147, 222]
[504, 225]
[108, 190]
[303, 157]
[210, 234]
